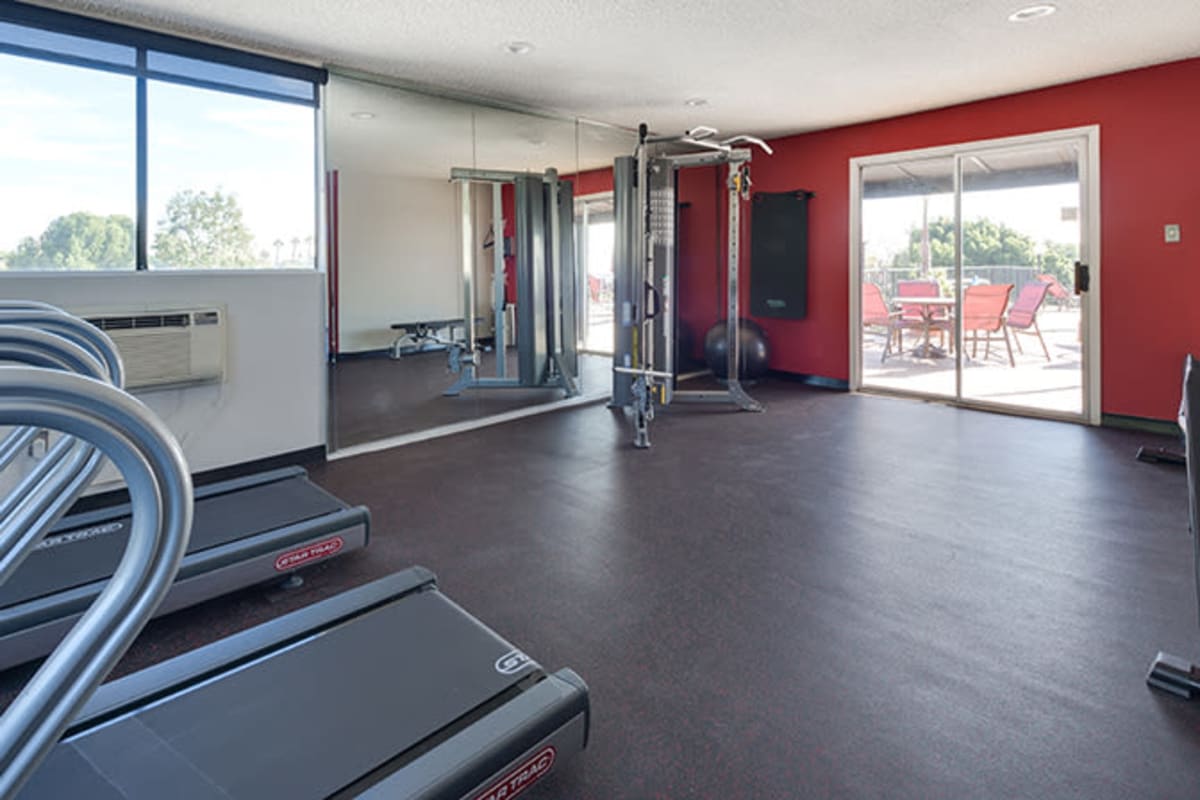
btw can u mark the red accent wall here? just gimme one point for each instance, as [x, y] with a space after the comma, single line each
[1149, 175]
[700, 264]
[508, 207]
[591, 182]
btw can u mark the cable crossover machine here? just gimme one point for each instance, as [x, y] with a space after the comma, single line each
[546, 342]
[645, 262]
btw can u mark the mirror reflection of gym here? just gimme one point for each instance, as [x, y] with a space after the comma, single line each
[399, 228]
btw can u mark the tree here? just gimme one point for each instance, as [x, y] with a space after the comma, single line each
[203, 229]
[1058, 259]
[78, 241]
[985, 243]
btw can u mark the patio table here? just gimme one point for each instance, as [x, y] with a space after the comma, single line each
[928, 306]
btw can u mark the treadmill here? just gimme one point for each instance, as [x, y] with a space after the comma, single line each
[246, 531]
[389, 690]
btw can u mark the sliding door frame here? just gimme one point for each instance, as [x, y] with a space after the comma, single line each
[1089, 253]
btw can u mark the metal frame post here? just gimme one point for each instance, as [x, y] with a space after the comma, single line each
[463, 356]
[532, 334]
[739, 189]
[663, 195]
[498, 282]
[567, 284]
[625, 210]
[553, 269]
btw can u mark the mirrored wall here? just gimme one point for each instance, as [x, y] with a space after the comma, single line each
[397, 233]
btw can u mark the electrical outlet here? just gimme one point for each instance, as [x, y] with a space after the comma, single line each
[1171, 233]
[40, 445]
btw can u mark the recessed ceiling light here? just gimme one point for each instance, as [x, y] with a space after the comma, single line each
[695, 102]
[1032, 12]
[362, 114]
[518, 48]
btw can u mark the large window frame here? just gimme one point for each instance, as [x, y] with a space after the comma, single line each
[232, 71]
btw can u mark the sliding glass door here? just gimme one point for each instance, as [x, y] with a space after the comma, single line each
[972, 278]
[908, 245]
[595, 239]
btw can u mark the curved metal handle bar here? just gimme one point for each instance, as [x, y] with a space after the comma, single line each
[42, 497]
[29, 344]
[53, 319]
[32, 313]
[27, 305]
[73, 328]
[160, 488]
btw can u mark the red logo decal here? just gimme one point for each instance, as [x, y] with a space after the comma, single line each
[310, 552]
[522, 777]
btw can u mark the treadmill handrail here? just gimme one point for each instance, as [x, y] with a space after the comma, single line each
[57, 321]
[152, 464]
[53, 320]
[1189, 423]
[42, 497]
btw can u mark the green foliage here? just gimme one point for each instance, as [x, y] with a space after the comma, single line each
[203, 229]
[78, 241]
[985, 243]
[1059, 259]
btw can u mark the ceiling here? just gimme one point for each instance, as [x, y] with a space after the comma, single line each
[767, 67]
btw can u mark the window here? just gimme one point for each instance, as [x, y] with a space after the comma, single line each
[68, 167]
[230, 180]
[128, 149]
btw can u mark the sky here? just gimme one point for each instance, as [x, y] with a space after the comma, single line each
[67, 144]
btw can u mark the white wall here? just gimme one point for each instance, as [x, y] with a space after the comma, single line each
[273, 400]
[397, 256]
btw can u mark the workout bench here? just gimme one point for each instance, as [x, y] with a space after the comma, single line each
[421, 337]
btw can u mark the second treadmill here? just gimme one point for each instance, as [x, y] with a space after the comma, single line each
[246, 531]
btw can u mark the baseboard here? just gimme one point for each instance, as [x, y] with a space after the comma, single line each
[309, 456]
[819, 381]
[1159, 427]
[360, 355]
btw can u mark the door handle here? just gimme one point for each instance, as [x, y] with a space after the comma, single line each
[1083, 277]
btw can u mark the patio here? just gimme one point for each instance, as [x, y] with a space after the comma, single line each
[1054, 385]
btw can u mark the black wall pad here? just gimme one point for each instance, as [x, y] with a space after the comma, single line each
[779, 254]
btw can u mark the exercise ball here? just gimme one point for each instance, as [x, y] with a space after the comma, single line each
[752, 342]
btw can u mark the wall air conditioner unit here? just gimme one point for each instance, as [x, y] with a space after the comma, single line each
[164, 348]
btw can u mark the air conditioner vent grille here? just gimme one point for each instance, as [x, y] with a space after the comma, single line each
[139, 321]
[167, 348]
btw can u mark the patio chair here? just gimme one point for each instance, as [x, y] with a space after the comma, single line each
[983, 312]
[1058, 293]
[876, 314]
[912, 315]
[1022, 317]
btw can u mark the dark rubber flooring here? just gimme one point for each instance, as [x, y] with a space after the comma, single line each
[843, 597]
[376, 397]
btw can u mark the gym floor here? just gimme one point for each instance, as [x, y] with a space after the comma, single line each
[846, 597]
[377, 397]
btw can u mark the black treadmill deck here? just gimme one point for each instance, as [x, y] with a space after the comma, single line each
[87, 547]
[247, 531]
[294, 718]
